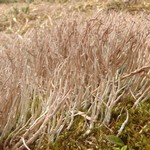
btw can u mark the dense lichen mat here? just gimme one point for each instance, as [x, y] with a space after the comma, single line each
[74, 78]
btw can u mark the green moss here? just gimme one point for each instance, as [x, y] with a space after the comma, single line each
[135, 134]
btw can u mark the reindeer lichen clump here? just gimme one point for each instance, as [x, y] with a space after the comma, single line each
[77, 68]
